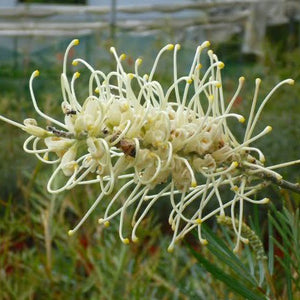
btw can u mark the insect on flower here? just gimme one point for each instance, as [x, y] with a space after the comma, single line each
[165, 143]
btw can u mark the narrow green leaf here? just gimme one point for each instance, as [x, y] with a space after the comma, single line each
[271, 246]
[213, 239]
[233, 265]
[280, 231]
[231, 282]
[256, 221]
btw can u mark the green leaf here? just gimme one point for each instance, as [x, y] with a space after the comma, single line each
[231, 282]
[220, 250]
[282, 233]
[271, 247]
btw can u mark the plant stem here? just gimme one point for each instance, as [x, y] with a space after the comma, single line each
[295, 187]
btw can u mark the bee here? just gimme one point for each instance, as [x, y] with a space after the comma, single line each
[128, 147]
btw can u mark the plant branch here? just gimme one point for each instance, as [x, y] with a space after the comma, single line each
[295, 187]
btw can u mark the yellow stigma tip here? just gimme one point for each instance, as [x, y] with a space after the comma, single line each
[218, 85]
[139, 61]
[126, 241]
[211, 97]
[205, 44]
[178, 46]
[199, 67]
[130, 75]
[75, 42]
[198, 221]
[242, 119]
[242, 79]
[235, 164]
[97, 90]
[291, 81]
[123, 56]
[269, 128]
[204, 242]
[74, 63]
[170, 249]
[70, 232]
[77, 74]
[235, 188]
[189, 81]
[106, 224]
[221, 65]
[194, 184]
[170, 47]
[135, 239]
[267, 200]
[36, 73]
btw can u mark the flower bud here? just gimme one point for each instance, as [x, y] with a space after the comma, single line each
[32, 128]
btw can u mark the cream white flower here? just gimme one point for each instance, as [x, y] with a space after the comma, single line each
[167, 142]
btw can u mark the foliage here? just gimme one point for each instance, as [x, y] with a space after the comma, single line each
[251, 277]
[39, 260]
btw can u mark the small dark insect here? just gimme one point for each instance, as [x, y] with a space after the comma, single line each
[105, 131]
[71, 112]
[59, 133]
[128, 147]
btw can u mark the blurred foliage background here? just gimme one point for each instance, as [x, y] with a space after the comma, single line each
[37, 258]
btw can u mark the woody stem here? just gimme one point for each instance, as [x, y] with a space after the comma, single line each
[295, 187]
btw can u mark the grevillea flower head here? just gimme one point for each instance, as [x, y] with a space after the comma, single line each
[164, 142]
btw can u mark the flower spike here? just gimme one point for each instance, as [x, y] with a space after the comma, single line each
[166, 142]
